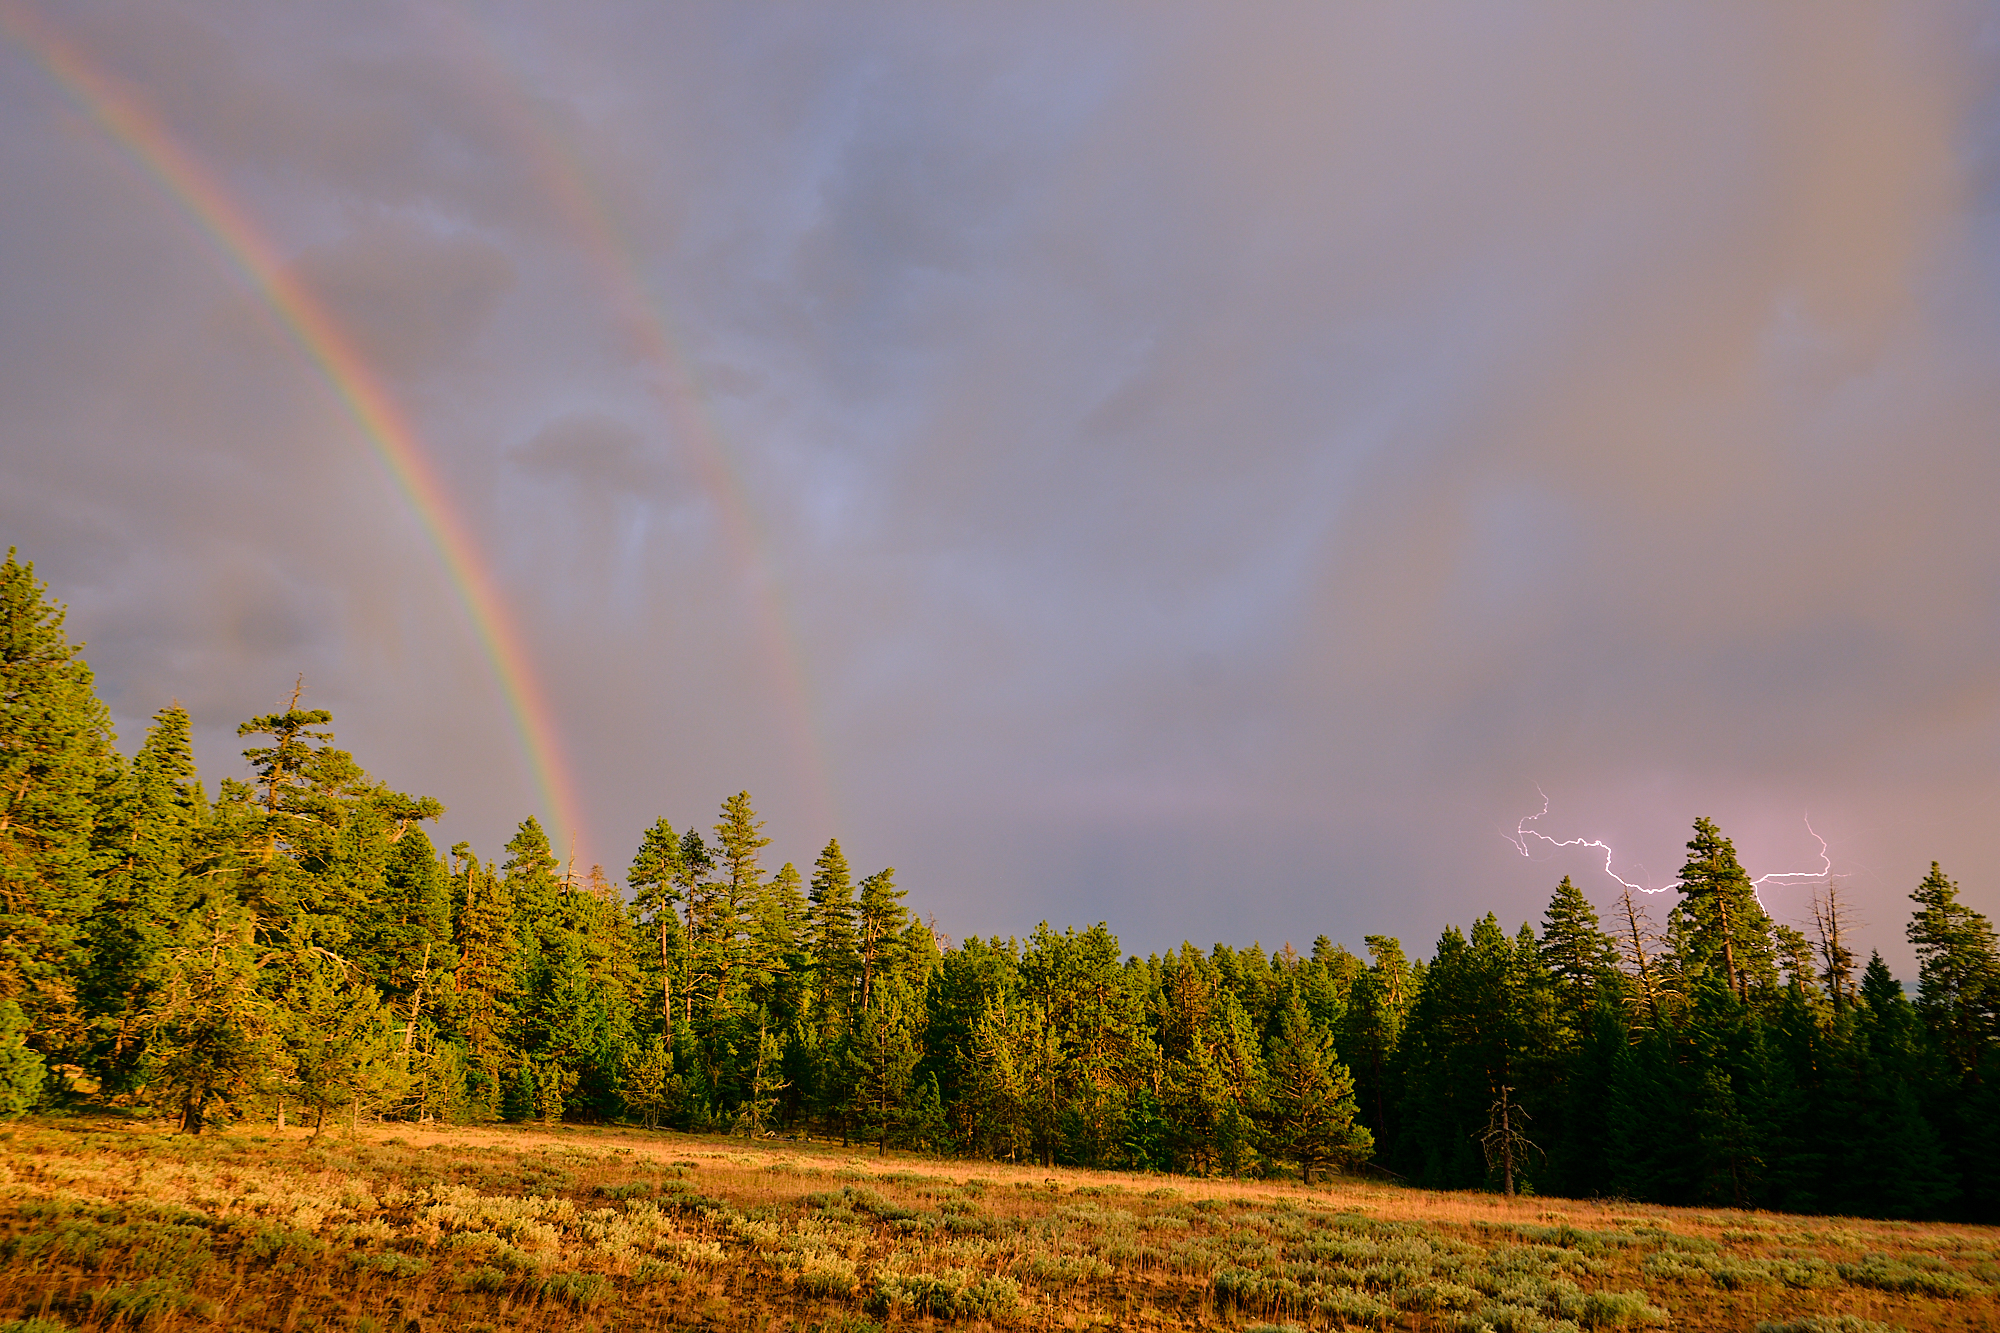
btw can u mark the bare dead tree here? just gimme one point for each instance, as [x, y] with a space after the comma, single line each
[1833, 919]
[1638, 929]
[1503, 1137]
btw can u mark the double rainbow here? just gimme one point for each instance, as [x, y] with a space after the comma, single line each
[129, 121]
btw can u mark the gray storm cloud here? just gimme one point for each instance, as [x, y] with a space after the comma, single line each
[1198, 468]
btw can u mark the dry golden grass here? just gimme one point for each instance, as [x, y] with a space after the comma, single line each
[107, 1224]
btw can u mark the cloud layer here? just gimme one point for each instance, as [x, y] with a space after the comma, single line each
[1198, 468]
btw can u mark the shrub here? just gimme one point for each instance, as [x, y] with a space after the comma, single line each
[917, 1293]
[1502, 1317]
[859, 1200]
[988, 1298]
[1441, 1296]
[483, 1278]
[658, 1270]
[144, 1299]
[579, 1291]
[1350, 1306]
[826, 1275]
[631, 1189]
[1886, 1274]
[1615, 1309]
[388, 1264]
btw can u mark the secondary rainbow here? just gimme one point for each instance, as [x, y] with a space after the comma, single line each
[568, 183]
[133, 125]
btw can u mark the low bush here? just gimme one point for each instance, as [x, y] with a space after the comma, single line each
[1618, 1309]
[484, 1278]
[388, 1264]
[1886, 1274]
[579, 1291]
[147, 1299]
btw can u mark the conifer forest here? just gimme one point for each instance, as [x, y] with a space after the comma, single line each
[288, 945]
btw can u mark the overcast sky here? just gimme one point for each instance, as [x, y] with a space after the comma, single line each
[1201, 468]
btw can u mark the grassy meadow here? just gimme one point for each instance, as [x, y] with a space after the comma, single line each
[114, 1224]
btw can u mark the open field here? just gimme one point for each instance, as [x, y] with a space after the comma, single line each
[109, 1224]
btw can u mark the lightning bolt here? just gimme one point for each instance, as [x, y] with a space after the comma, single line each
[1523, 836]
[1522, 833]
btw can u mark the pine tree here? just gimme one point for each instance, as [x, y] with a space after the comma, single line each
[1958, 974]
[657, 895]
[1378, 1004]
[693, 876]
[338, 1035]
[22, 1069]
[882, 1055]
[213, 1035]
[969, 981]
[530, 876]
[1096, 1016]
[1208, 1060]
[485, 981]
[650, 1086]
[739, 838]
[146, 835]
[1719, 926]
[1308, 1111]
[56, 760]
[830, 935]
[1577, 953]
[881, 918]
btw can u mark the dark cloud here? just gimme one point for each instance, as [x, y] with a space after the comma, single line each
[411, 300]
[1197, 469]
[593, 451]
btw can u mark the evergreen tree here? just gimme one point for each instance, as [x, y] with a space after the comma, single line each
[656, 895]
[881, 1059]
[1580, 957]
[830, 933]
[337, 1034]
[530, 876]
[1096, 1028]
[56, 763]
[880, 920]
[739, 838]
[146, 835]
[693, 876]
[1719, 926]
[213, 1035]
[1308, 1111]
[1209, 1068]
[22, 1070]
[485, 981]
[1958, 974]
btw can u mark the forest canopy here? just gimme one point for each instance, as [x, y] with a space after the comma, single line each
[294, 945]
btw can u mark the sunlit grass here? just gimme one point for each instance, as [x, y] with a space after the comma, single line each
[109, 1225]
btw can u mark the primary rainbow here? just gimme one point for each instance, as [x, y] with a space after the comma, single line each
[396, 444]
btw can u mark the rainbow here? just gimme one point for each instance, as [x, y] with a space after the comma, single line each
[675, 386]
[397, 446]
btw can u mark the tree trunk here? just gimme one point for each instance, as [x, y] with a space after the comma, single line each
[417, 1000]
[666, 974]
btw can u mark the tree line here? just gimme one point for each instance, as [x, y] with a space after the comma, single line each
[294, 947]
